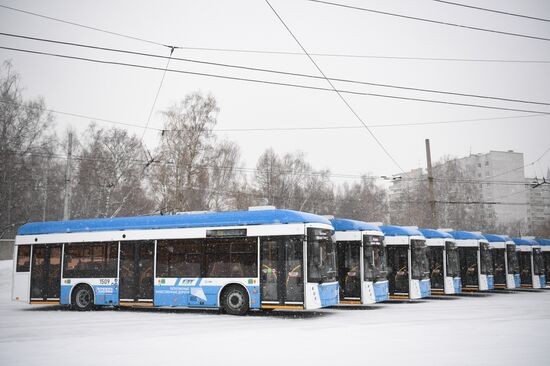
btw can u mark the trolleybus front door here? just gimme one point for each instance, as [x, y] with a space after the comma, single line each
[499, 266]
[435, 262]
[282, 273]
[525, 269]
[136, 272]
[349, 275]
[469, 267]
[398, 268]
[46, 272]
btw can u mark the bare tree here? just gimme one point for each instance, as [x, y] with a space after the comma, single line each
[28, 145]
[108, 179]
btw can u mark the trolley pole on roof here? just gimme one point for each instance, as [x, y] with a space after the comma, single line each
[67, 201]
[431, 184]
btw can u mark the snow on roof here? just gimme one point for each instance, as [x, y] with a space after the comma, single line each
[352, 225]
[494, 238]
[390, 230]
[213, 219]
[433, 234]
[524, 241]
[466, 235]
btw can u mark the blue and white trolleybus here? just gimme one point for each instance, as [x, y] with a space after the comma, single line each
[531, 263]
[545, 249]
[505, 261]
[476, 263]
[361, 262]
[443, 262]
[235, 261]
[408, 271]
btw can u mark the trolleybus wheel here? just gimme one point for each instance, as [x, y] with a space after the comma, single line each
[83, 298]
[235, 300]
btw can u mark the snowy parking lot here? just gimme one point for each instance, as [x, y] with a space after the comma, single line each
[494, 329]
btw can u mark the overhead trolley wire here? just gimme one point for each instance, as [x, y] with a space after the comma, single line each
[260, 81]
[336, 90]
[492, 10]
[271, 129]
[86, 26]
[236, 50]
[269, 70]
[429, 20]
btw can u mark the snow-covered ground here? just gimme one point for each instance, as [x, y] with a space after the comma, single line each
[498, 329]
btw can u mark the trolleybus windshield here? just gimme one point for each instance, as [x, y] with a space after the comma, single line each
[453, 264]
[321, 256]
[420, 265]
[374, 258]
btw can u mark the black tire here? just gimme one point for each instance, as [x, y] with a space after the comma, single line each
[234, 300]
[82, 298]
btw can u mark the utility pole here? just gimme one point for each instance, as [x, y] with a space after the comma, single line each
[67, 202]
[431, 184]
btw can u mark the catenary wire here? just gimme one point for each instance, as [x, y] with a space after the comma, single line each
[492, 10]
[429, 20]
[85, 26]
[337, 92]
[261, 81]
[249, 68]
[236, 50]
[272, 129]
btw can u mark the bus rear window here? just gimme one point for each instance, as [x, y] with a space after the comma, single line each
[23, 258]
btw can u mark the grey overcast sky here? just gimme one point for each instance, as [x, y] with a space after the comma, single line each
[126, 94]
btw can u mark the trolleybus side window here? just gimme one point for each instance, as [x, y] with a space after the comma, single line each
[321, 256]
[235, 257]
[179, 258]
[23, 258]
[91, 260]
[379, 258]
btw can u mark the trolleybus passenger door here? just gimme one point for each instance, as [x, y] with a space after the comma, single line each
[525, 268]
[46, 272]
[136, 271]
[469, 266]
[282, 273]
[499, 265]
[349, 272]
[398, 267]
[436, 260]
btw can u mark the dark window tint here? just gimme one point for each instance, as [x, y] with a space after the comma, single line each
[435, 260]
[468, 265]
[513, 262]
[538, 262]
[321, 256]
[486, 259]
[91, 260]
[499, 266]
[179, 258]
[453, 262]
[419, 260]
[23, 258]
[236, 257]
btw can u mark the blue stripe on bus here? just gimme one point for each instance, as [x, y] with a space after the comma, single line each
[329, 294]
[457, 284]
[381, 291]
[425, 288]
